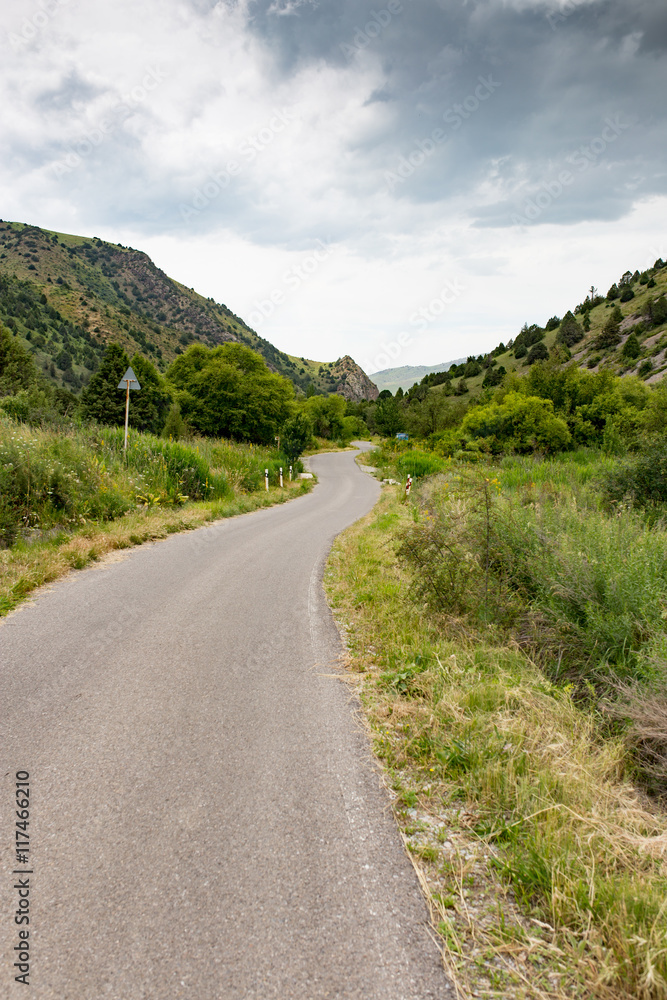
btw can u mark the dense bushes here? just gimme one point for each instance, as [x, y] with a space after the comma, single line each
[640, 481]
[584, 592]
[168, 468]
[52, 480]
[417, 464]
[522, 423]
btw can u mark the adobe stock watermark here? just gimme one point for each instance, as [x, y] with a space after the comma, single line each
[90, 140]
[582, 158]
[248, 151]
[567, 8]
[420, 319]
[291, 280]
[454, 116]
[378, 21]
[31, 26]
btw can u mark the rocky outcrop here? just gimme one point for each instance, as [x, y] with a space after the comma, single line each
[352, 382]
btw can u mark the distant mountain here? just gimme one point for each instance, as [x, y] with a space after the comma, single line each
[405, 377]
[68, 296]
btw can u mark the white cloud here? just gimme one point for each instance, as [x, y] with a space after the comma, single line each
[228, 139]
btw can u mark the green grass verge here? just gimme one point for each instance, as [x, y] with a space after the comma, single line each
[544, 866]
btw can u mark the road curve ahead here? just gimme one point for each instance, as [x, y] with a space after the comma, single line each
[206, 820]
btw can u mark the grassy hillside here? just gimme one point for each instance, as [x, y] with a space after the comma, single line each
[594, 351]
[68, 296]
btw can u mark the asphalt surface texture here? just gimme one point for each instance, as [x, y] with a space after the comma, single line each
[206, 819]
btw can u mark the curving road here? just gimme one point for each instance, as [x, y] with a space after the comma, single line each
[206, 821]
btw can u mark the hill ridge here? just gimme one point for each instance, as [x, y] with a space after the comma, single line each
[67, 296]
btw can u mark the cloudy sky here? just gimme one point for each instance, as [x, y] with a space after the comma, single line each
[405, 181]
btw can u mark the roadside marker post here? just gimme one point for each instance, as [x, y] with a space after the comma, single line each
[281, 477]
[128, 381]
[290, 473]
[408, 487]
[266, 479]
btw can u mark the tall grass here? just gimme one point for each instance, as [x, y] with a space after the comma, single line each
[544, 802]
[530, 548]
[60, 479]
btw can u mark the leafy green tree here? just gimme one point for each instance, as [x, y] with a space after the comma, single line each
[102, 400]
[610, 335]
[295, 436]
[175, 426]
[570, 332]
[657, 309]
[494, 376]
[228, 391]
[388, 417]
[326, 415]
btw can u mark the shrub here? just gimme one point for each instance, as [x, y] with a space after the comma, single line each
[418, 463]
[49, 481]
[570, 332]
[520, 423]
[583, 592]
[539, 352]
[631, 348]
[641, 481]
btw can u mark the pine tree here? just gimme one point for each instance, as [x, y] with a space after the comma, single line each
[150, 405]
[631, 348]
[102, 400]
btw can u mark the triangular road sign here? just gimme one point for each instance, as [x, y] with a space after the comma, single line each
[130, 377]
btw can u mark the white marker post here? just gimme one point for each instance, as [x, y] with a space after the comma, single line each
[128, 381]
[408, 487]
[266, 479]
[290, 473]
[281, 477]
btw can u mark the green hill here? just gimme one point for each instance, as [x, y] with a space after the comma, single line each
[624, 332]
[68, 296]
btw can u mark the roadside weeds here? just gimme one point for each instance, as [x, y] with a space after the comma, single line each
[542, 866]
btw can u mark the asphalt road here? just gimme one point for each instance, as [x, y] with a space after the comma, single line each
[206, 819]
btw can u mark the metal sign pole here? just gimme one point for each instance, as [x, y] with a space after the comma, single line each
[128, 381]
[127, 411]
